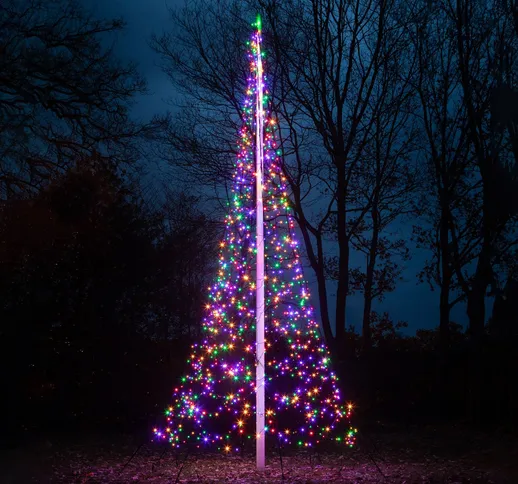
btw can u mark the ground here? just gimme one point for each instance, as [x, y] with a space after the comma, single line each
[424, 455]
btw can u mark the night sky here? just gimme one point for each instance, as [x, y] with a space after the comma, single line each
[410, 302]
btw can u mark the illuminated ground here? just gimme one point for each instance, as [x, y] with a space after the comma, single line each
[416, 456]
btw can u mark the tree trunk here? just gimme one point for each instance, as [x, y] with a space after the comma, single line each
[324, 310]
[444, 308]
[476, 307]
[367, 309]
[476, 310]
[476, 314]
[369, 282]
[317, 264]
[343, 256]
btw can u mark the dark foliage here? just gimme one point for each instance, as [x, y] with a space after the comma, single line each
[411, 380]
[91, 330]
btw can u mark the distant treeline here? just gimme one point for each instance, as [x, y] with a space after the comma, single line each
[102, 297]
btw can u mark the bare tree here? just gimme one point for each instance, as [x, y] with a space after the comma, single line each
[471, 211]
[344, 83]
[336, 68]
[387, 183]
[62, 95]
[445, 148]
[204, 58]
[484, 39]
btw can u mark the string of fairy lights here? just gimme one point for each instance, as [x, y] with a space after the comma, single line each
[214, 405]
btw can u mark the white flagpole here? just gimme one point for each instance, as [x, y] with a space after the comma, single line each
[259, 152]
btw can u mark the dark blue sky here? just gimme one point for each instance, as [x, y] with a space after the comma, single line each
[410, 302]
[143, 18]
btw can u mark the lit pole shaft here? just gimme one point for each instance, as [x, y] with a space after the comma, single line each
[259, 157]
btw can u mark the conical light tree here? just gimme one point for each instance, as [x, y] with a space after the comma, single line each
[215, 404]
